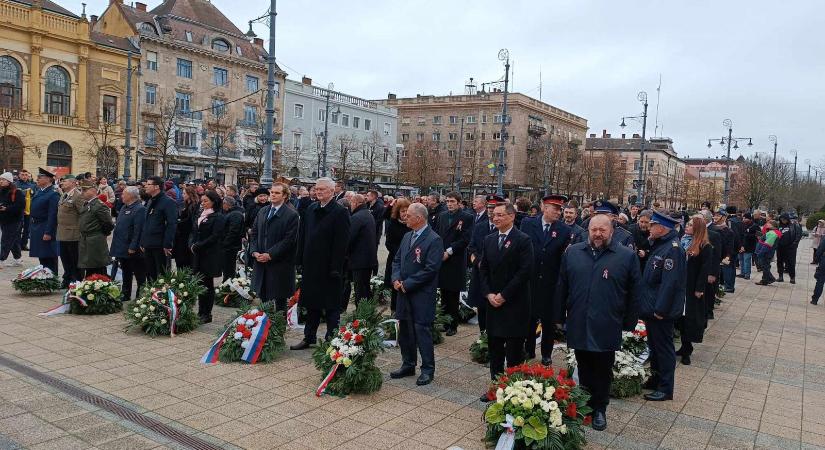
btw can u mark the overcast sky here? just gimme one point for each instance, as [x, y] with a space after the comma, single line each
[760, 63]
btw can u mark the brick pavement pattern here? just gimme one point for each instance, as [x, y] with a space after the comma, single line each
[758, 381]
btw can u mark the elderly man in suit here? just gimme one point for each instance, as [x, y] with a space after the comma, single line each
[505, 284]
[125, 241]
[273, 242]
[415, 277]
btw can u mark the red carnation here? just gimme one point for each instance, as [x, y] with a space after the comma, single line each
[571, 410]
[359, 339]
[504, 379]
[246, 333]
[491, 395]
[347, 336]
[561, 394]
[98, 277]
[587, 420]
[239, 328]
[570, 382]
[511, 370]
[355, 323]
[342, 329]
[563, 373]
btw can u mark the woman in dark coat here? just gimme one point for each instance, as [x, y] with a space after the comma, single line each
[207, 236]
[186, 219]
[699, 254]
[395, 227]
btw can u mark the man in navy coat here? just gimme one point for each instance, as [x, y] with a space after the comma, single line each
[598, 287]
[125, 241]
[158, 234]
[43, 229]
[455, 228]
[550, 237]
[505, 284]
[415, 277]
[483, 227]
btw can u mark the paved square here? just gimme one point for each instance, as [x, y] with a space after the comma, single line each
[758, 381]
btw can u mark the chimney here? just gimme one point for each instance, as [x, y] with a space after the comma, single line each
[92, 20]
[306, 80]
[258, 41]
[607, 135]
[592, 135]
[391, 96]
[604, 134]
[636, 136]
[140, 6]
[622, 135]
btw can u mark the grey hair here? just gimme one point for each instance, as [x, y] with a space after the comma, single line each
[326, 181]
[419, 210]
[707, 215]
[646, 213]
[133, 191]
[230, 201]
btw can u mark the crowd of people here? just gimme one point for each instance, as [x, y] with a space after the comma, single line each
[584, 272]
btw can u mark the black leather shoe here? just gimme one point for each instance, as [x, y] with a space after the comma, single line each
[651, 384]
[205, 319]
[686, 360]
[300, 346]
[599, 421]
[813, 302]
[680, 351]
[424, 379]
[546, 361]
[793, 281]
[781, 280]
[658, 396]
[710, 315]
[402, 372]
[451, 331]
[484, 398]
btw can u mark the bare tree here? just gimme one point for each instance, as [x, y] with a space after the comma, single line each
[220, 137]
[103, 149]
[344, 147]
[162, 120]
[421, 165]
[372, 155]
[12, 138]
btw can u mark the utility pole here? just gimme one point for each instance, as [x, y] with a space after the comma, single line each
[127, 143]
[269, 138]
[775, 141]
[642, 97]
[795, 157]
[730, 140]
[326, 129]
[503, 55]
[458, 158]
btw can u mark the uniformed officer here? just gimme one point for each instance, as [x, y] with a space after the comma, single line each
[481, 229]
[550, 237]
[454, 226]
[598, 288]
[621, 235]
[662, 301]
[68, 232]
[43, 230]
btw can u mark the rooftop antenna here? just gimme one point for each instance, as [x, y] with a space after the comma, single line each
[470, 87]
[658, 96]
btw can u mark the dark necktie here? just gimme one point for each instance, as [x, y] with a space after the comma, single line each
[501, 238]
[272, 210]
[492, 227]
[546, 230]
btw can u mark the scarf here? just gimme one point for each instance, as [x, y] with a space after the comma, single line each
[204, 214]
[686, 241]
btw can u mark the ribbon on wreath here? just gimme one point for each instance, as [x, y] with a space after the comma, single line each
[37, 272]
[65, 304]
[211, 356]
[507, 440]
[323, 386]
[171, 309]
[389, 342]
[257, 340]
[292, 318]
[235, 287]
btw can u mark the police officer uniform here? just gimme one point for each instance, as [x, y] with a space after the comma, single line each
[662, 301]
[44, 222]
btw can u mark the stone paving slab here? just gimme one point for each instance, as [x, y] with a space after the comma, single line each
[758, 381]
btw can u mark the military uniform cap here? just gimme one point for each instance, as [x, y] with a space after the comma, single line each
[494, 200]
[554, 199]
[663, 220]
[44, 173]
[605, 207]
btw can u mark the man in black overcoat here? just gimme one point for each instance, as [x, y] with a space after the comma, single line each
[158, 234]
[455, 228]
[362, 250]
[322, 248]
[505, 283]
[550, 237]
[716, 240]
[483, 227]
[273, 243]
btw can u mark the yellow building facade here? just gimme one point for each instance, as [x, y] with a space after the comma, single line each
[62, 91]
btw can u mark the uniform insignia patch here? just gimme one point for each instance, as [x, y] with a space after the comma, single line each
[675, 244]
[668, 264]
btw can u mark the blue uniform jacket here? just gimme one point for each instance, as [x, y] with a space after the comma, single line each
[43, 221]
[599, 291]
[620, 235]
[161, 220]
[126, 235]
[547, 253]
[664, 279]
[417, 268]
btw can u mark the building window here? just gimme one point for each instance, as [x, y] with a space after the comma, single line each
[453, 136]
[59, 154]
[150, 135]
[421, 121]
[218, 107]
[436, 137]
[469, 136]
[183, 101]
[497, 136]
[58, 91]
[188, 36]
[151, 94]
[436, 120]
[650, 165]
[405, 137]
[109, 108]
[453, 120]
[356, 122]
[299, 111]
[497, 118]
[484, 118]
[151, 61]
[483, 136]
[11, 83]
[386, 154]
[186, 138]
[367, 124]
[184, 68]
[147, 27]
[419, 137]
[220, 45]
[220, 76]
[297, 139]
[250, 114]
[471, 119]
[345, 120]
[405, 121]
[636, 164]
[334, 117]
[251, 83]
[387, 128]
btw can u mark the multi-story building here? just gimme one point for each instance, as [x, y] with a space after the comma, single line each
[62, 91]
[707, 179]
[202, 90]
[439, 132]
[361, 135]
[616, 163]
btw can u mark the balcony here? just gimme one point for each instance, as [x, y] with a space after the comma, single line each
[56, 119]
[12, 114]
[243, 123]
[194, 115]
[536, 129]
[224, 153]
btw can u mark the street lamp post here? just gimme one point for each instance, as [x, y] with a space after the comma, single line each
[458, 158]
[269, 132]
[795, 158]
[727, 123]
[503, 55]
[642, 97]
[127, 143]
[330, 87]
[775, 141]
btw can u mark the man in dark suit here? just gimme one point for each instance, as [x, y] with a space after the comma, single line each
[322, 248]
[435, 207]
[505, 283]
[481, 229]
[415, 277]
[362, 250]
[376, 206]
[158, 234]
[550, 237]
[273, 241]
[125, 241]
[571, 215]
[455, 228]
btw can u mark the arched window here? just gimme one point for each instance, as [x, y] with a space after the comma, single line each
[11, 82]
[58, 91]
[220, 45]
[147, 27]
[59, 154]
[107, 161]
[11, 153]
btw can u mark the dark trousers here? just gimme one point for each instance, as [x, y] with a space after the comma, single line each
[687, 348]
[511, 348]
[765, 264]
[482, 318]
[548, 336]
[662, 352]
[820, 282]
[414, 338]
[361, 284]
[133, 266]
[230, 266]
[729, 276]
[157, 263]
[10, 240]
[786, 262]
[89, 271]
[314, 319]
[49, 263]
[24, 237]
[69, 254]
[207, 299]
[596, 374]
[449, 301]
